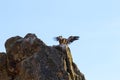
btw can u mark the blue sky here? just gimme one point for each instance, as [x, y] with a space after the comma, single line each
[97, 22]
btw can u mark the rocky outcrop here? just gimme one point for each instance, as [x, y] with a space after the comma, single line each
[29, 58]
[3, 66]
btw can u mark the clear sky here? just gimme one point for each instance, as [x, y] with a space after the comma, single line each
[97, 22]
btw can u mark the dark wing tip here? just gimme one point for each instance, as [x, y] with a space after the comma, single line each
[72, 38]
[76, 37]
[58, 38]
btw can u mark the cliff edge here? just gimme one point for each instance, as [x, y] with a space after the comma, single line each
[29, 58]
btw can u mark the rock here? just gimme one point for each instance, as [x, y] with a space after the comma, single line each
[29, 58]
[3, 67]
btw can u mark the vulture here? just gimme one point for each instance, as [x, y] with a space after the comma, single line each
[66, 41]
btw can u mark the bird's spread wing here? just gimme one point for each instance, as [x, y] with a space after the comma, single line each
[58, 38]
[72, 38]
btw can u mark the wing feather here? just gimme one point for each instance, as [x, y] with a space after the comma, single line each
[72, 38]
[58, 38]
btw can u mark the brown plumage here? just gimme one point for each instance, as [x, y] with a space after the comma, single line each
[66, 41]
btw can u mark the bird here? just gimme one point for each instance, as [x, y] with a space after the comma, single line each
[63, 47]
[66, 41]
